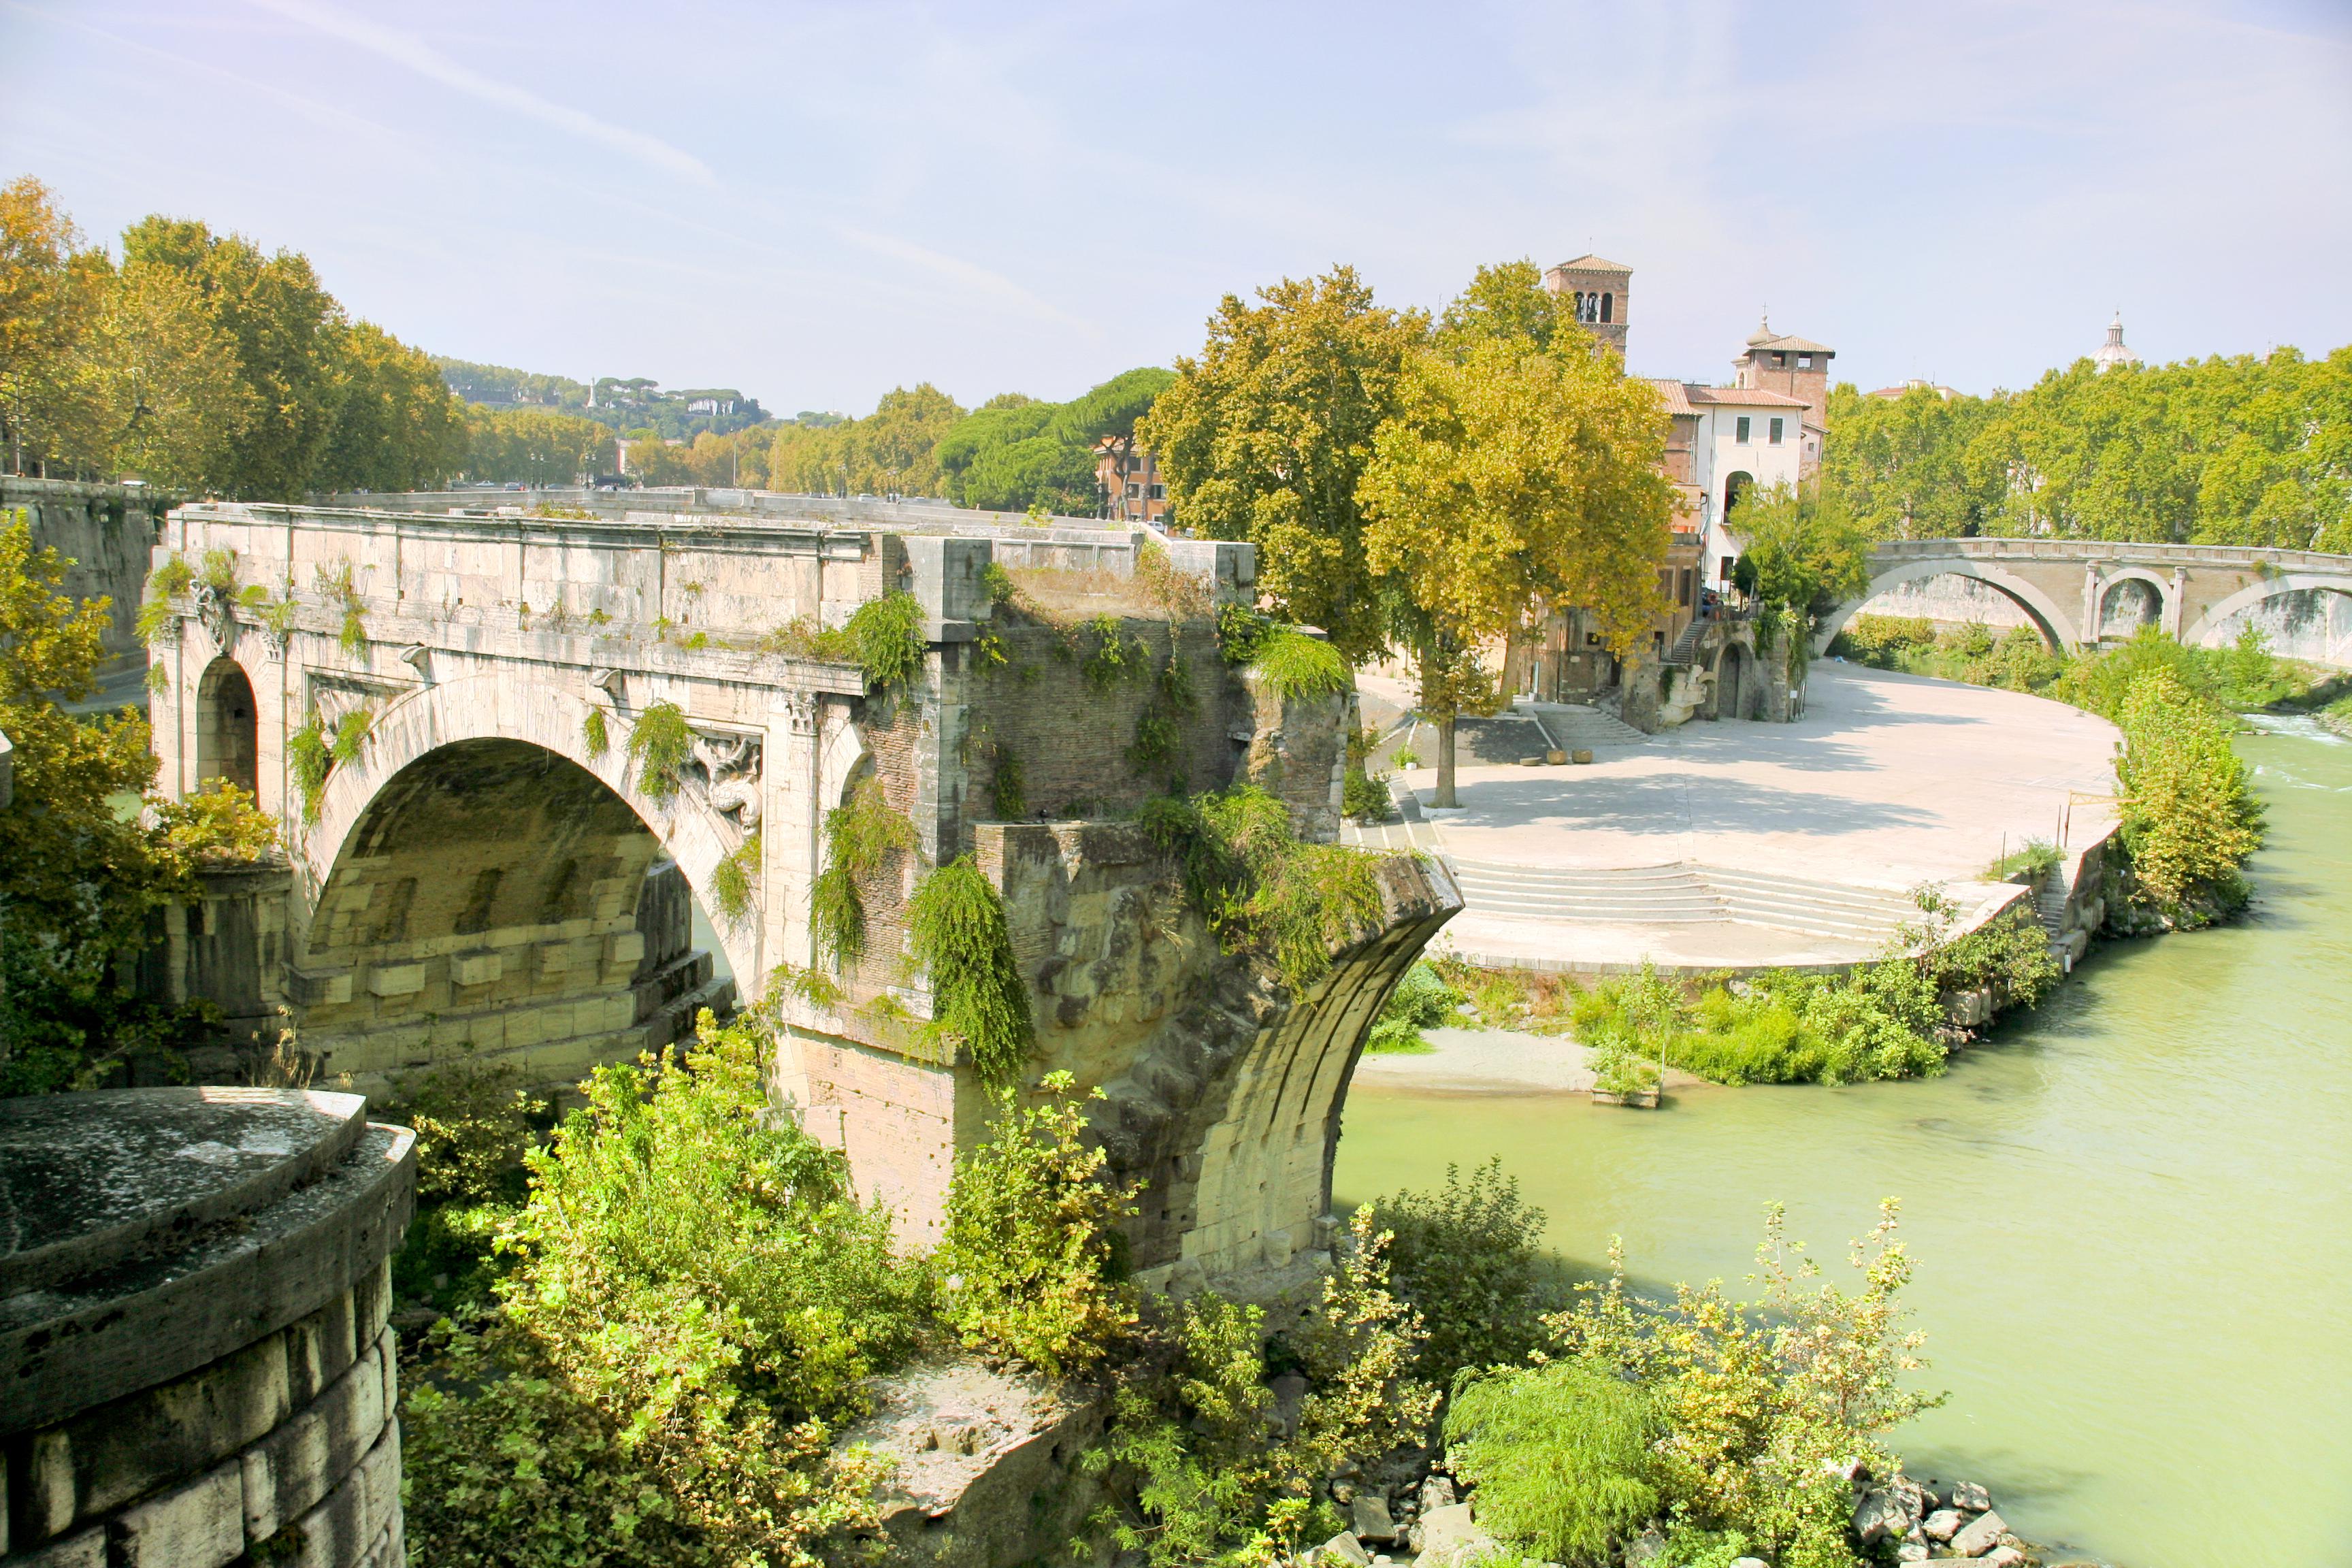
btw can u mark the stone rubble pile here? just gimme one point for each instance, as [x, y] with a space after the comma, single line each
[1393, 1521]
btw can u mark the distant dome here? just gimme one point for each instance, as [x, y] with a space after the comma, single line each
[2112, 352]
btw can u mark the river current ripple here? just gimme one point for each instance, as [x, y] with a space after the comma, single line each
[2129, 1212]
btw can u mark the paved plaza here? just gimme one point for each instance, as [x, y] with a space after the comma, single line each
[1889, 781]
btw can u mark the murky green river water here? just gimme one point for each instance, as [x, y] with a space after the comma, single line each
[2131, 1213]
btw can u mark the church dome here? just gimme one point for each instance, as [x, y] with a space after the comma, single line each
[2112, 352]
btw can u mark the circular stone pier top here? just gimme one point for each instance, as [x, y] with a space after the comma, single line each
[193, 1284]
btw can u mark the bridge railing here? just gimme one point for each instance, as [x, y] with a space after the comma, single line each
[2004, 547]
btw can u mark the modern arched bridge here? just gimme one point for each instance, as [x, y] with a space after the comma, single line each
[2072, 588]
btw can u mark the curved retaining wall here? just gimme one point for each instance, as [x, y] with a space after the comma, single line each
[195, 1366]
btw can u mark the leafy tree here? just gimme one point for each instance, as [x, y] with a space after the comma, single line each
[166, 377]
[889, 451]
[288, 331]
[1267, 435]
[1506, 300]
[535, 446]
[50, 285]
[79, 874]
[397, 427]
[1513, 481]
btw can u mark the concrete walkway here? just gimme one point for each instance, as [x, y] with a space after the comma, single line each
[1888, 781]
[1493, 1061]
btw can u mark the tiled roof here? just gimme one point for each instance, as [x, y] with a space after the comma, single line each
[1590, 263]
[1746, 396]
[1671, 395]
[1790, 345]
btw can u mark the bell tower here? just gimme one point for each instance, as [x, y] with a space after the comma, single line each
[1596, 291]
[1791, 366]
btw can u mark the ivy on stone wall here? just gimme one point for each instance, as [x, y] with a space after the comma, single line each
[1008, 792]
[956, 930]
[860, 836]
[593, 733]
[307, 753]
[660, 743]
[732, 879]
[157, 614]
[1159, 750]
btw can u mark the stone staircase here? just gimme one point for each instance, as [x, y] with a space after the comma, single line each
[1572, 725]
[2050, 908]
[1684, 650]
[1685, 893]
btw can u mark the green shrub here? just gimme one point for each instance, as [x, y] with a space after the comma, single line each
[695, 1304]
[1763, 1404]
[158, 616]
[955, 929]
[1469, 1260]
[2190, 816]
[1560, 1457]
[2010, 953]
[351, 731]
[1259, 885]
[884, 637]
[1025, 1269]
[1159, 747]
[2039, 856]
[1881, 1020]
[1293, 664]
[306, 753]
[594, 735]
[861, 836]
[1115, 656]
[1214, 1475]
[473, 1124]
[660, 743]
[1421, 1001]
[733, 879]
[1240, 630]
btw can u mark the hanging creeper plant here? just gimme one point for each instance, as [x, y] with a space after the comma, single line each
[955, 927]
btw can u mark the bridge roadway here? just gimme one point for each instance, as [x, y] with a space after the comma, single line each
[2076, 590]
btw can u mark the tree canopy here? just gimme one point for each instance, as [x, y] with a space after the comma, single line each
[2216, 451]
[1015, 452]
[890, 450]
[1266, 435]
[202, 365]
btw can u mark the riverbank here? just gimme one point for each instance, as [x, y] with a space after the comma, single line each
[2124, 1208]
[1495, 1061]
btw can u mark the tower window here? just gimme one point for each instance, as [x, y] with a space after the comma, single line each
[1740, 430]
[1608, 306]
[1776, 431]
[1804, 362]
[1780, 361]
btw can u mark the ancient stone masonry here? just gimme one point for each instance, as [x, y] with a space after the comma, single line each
[106, 531]
[192, 1343]
[511, 753]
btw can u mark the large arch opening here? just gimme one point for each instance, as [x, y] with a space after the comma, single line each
[497, 899]
[2128, 605]
[227, 727]
[2303, 616]
[1953, 595]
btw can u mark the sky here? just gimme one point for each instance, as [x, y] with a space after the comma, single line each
[816, 203]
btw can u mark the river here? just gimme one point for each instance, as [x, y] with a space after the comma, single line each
[2131, 1213]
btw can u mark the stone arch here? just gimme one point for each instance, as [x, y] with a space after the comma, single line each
[501, 708]
[1735, 489]
[229, 741]
[2131, 583]
[2207, 632]
[1738, 683]
[2051, 621]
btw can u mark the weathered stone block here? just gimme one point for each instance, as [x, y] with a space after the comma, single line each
[200, 1525]
[396, 979]
[625, 947]
[86, 1550]
[476, 968]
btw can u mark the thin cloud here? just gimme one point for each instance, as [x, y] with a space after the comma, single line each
[405, 49]
[970, 274]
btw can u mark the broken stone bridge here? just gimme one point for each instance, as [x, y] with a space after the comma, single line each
[489, 869]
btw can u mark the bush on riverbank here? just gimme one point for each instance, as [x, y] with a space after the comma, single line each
[2190, 816]
[1730, 1426]
[2241, 677]
[1421, 1000]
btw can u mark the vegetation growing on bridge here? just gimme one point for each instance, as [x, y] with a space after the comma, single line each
[660, 743]
[79, 874]
[861, 836]
[956, 931]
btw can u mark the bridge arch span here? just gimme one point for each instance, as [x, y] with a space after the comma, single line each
[2057, 629]
[2111, 581]
[431, 720]
[2207, 631]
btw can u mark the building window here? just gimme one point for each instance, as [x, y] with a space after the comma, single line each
[1160, 492]
[1608, 307]
[1683, 593]
[1804, 362]
[1776, 431]
[1740, 430]
[1134, 492]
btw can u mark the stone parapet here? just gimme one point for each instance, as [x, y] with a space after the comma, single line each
[192, 1330]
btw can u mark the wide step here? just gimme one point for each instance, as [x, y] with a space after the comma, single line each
[1685, 893]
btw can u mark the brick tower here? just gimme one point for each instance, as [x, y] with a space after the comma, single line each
[1597, 291]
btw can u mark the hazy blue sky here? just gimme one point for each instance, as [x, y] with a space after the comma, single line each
[816, 203]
